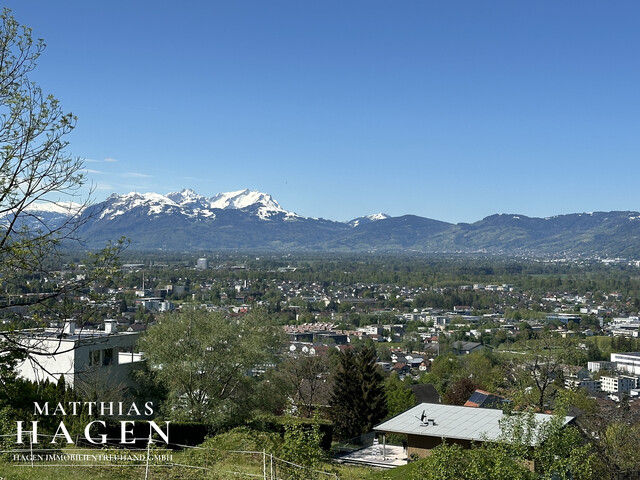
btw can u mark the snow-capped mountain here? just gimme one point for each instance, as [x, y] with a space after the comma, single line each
[152, 203]
[264, 203]
[251, 220]
[368, 219]
[192, 205]
[187, 220]
[43, 215]
[243, 199]
[59, 208]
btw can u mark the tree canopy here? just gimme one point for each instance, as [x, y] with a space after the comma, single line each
[206, 360]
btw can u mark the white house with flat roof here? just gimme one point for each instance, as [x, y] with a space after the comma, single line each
[79, 354]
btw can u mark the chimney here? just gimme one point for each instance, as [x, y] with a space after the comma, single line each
[69, 327]
[110, 326]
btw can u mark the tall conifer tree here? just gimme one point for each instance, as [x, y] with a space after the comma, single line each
[358, 402]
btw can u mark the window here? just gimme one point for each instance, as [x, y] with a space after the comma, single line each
[94, 358]
[108, 357]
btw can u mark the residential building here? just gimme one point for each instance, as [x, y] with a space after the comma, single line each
[619, 383]
[597, 366]
[591, 386]
[627, 362]
[564, 318]
[465, 348]
[156, 304]
[79, 354]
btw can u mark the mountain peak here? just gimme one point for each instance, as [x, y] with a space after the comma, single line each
[374, 217]
[243, 199]
[186, 195]
[378, 216]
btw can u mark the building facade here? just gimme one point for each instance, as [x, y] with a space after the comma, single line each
[619, 383]
[627, 362]
[80, 355]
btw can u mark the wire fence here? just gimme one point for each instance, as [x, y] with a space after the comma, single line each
[209, 461]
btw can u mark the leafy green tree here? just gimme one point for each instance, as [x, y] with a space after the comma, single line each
[496, 461]
[123, 307]
[487, 462]
[578, 398]
[446, 462]
[525, 331]
[345, 307]
[302, 445]
[7, 424]
[563, 454]
[204, 359]
[400, 397]
[486, 368]
[411, 342]
[444, 370]
[620, 445]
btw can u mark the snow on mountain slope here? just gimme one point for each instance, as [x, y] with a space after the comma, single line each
[243, 199]
[117, 205]
[368, 219]
[186, 196]
[61, 208]
[248, 219]
[377, 216]
[43, 215]
[190, 204]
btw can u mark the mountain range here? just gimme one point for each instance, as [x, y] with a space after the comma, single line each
[251, 220]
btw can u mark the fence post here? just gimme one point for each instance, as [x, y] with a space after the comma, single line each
[264, 464]
[146, 473]
[271, 457]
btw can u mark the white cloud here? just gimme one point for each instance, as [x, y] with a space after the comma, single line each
[89, 170]
[136, 175]
[110, 160]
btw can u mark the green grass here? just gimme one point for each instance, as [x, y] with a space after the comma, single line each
[350, 472]
[220, 470]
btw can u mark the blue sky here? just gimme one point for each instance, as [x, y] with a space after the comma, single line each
[452, 110]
